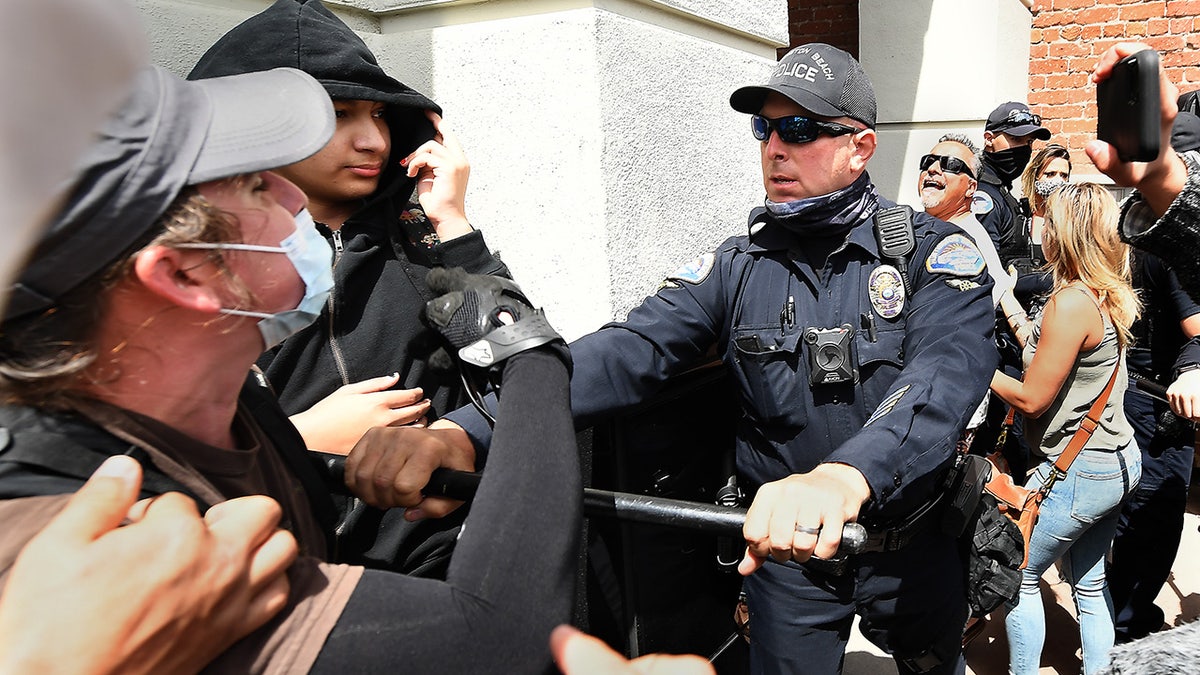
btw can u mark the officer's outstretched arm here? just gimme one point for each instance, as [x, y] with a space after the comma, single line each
[802, 515]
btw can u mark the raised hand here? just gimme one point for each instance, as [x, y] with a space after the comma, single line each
[486, 319]
[442, 171]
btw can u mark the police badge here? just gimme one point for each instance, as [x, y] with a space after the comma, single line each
[886, 290]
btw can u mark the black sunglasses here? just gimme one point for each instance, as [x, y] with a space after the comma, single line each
[796, 128]
[948, 164]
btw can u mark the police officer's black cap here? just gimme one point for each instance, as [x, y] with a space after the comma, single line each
[819, 78]
[1189, 101]
[169, 134]
[1013, 118]
[1185, 132]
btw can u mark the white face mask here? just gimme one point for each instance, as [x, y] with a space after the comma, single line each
[1045, 187]
[311, 256]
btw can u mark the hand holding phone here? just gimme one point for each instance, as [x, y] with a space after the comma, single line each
[1161, 180]
[1129, 108]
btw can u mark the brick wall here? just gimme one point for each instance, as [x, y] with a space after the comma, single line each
[833, 22]
[1068, 37]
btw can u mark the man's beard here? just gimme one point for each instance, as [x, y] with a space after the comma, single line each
[938, 205]
[932, 201]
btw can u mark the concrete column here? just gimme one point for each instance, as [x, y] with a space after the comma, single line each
[938, 66]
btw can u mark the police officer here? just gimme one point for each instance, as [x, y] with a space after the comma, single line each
[1165, 351]
[1007, 146]
[856, 368]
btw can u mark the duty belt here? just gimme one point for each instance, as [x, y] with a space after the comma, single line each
[887, 538]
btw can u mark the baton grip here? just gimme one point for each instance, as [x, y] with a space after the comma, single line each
[1151, 388]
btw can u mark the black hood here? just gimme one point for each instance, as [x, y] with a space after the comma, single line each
[304, 34]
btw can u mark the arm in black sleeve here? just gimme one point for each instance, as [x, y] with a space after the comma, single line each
[511, 579]
[998, 219]
[471, 253]
[1189, 356]
[625, 363]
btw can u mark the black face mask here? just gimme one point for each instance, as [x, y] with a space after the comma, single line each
[1011, 162]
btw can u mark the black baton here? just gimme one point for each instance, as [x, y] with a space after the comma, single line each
[677, 513]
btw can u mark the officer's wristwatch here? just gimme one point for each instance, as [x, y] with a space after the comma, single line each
[1185, 368]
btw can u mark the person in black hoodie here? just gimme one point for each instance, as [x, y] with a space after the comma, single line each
[336, 378]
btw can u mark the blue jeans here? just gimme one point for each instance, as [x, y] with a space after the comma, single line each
[1077, 523]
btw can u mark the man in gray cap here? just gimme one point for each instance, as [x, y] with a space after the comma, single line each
[858, 349]
[177, 258]
[70, 601]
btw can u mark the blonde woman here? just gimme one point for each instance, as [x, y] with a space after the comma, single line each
[1069, 354]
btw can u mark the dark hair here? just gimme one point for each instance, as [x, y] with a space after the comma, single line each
[42, 356]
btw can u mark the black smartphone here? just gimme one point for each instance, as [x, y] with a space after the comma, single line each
[1129, 108]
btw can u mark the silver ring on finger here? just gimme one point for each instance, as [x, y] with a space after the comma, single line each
[804, 529]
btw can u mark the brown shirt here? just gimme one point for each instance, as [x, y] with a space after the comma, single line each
[319, 590]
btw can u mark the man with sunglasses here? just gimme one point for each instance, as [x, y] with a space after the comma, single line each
[1007, 146]
[947, 184]
[855, 375]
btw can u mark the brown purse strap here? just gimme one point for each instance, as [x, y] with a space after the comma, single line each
[1087, 426]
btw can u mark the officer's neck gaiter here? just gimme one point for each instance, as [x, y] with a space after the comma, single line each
[1010, 162]
[828, 215]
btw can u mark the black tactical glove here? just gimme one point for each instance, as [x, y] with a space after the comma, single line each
[487, 319]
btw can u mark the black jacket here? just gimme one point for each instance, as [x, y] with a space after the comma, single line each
[371, 326]
[1001, 215]
[1159, 343]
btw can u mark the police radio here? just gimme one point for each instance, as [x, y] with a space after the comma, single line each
[894, 232]
[829, 358]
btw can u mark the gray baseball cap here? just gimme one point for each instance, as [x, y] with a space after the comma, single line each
[820, 78]
[169, 134]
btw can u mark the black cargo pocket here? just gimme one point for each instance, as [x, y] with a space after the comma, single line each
[770, 376]
[879, 361]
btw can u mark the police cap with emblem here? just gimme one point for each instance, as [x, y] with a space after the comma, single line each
[822, 79]
[1015, 119]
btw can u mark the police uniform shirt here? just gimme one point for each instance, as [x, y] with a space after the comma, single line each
[920, 363]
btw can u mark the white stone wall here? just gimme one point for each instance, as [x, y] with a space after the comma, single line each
[604, 153]
[939, 66]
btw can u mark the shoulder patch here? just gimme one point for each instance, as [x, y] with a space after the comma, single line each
[955, 255]
[982, 203]
[695, 271]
